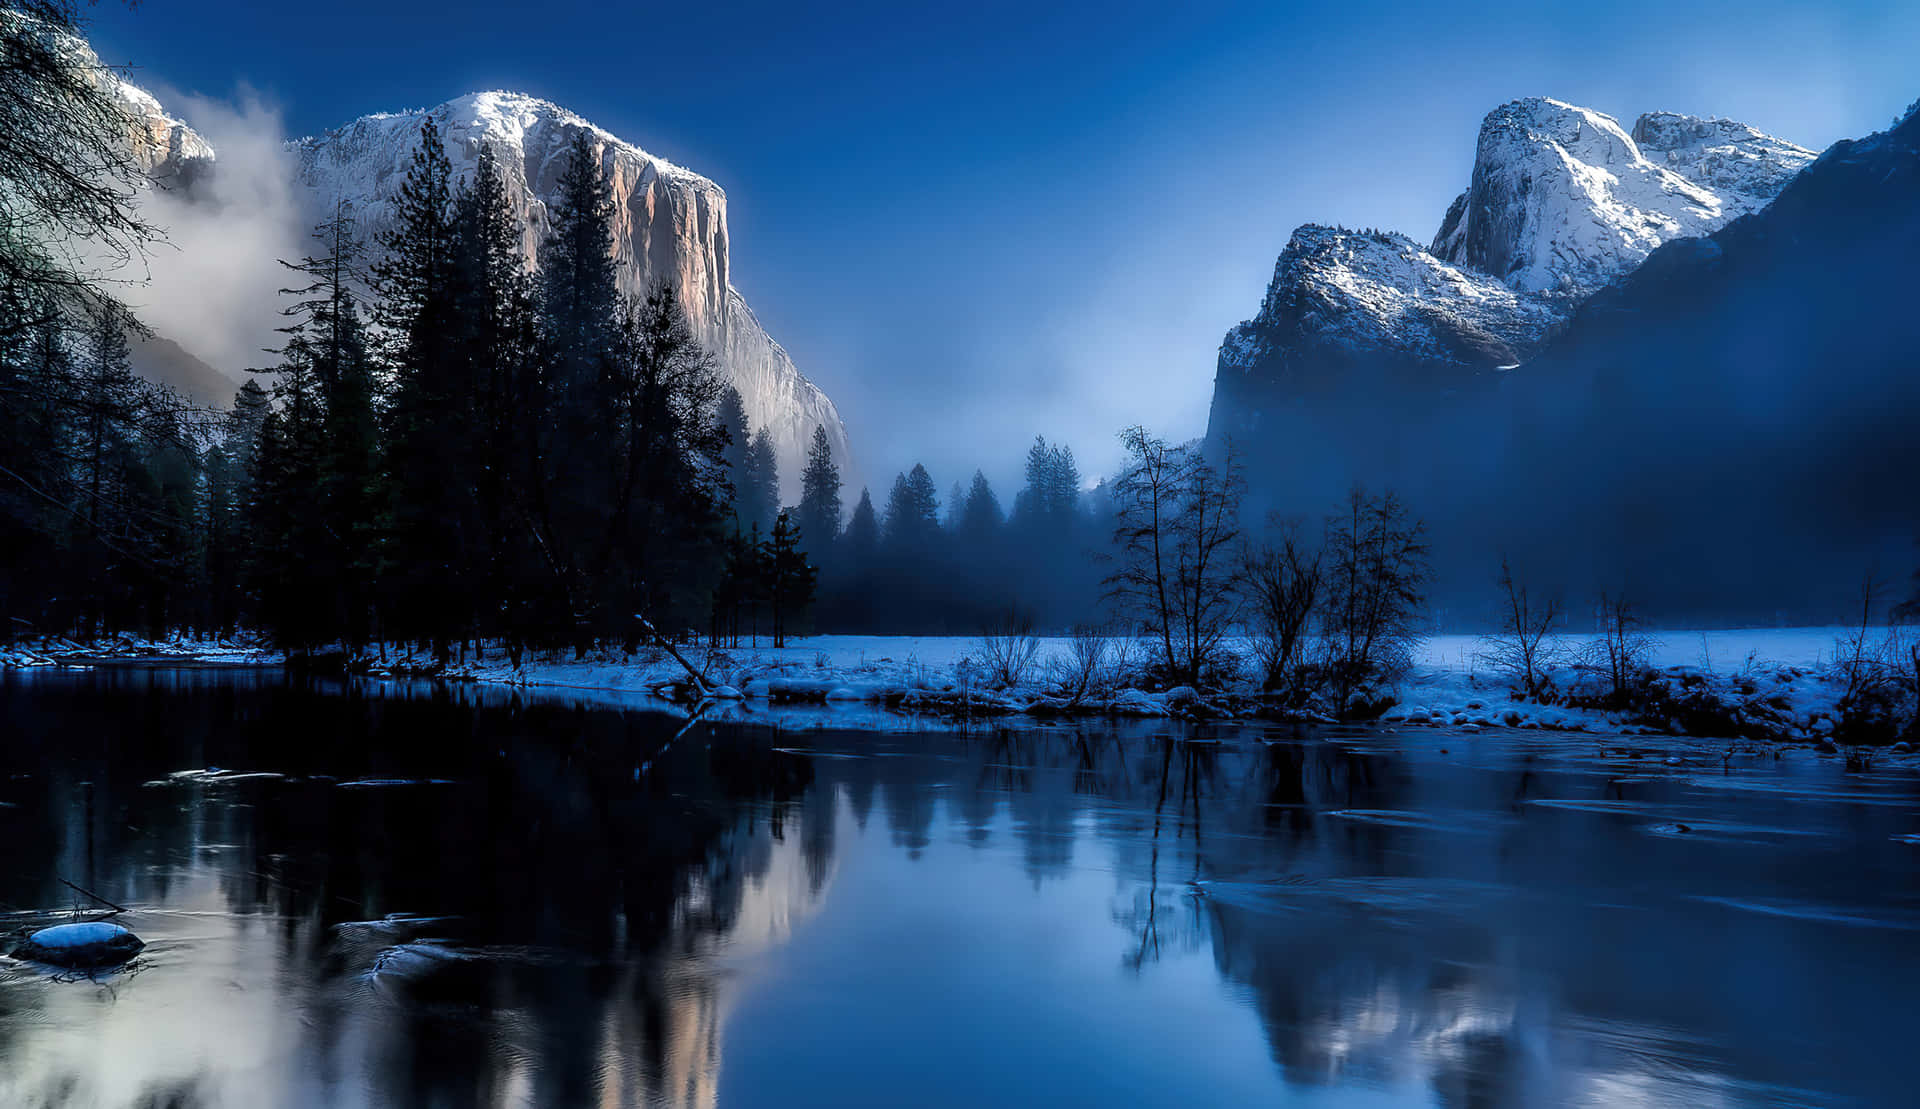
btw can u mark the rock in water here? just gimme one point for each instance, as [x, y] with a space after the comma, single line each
[81, 946]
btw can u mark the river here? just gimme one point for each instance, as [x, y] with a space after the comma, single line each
[379, 894]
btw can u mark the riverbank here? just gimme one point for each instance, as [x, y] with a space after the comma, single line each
[128, 650]
[1777, 685]
[1771, 684]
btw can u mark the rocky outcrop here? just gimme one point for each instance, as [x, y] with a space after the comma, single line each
[1374, 291]
[1744, 165]
[670, 225]
[169, 150]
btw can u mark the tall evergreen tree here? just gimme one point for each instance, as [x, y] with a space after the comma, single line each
[863, 534]
[230, 467]
[1052, 493]
[819, 515]
[981, 518]
[789, 578]
[663, 537]
[731, 414]
[580, 325]
[430, 459]
[285, 526]
[506, 374]
[328, 346]
[760, 498]
[913, 513]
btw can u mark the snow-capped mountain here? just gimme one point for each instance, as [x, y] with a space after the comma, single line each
[670, 224]
[1562, 201]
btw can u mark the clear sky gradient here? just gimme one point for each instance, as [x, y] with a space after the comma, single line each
[975, 223]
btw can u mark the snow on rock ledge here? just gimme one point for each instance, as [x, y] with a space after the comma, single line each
[1380, 292]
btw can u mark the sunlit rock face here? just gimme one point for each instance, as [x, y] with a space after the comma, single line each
[164, 146]
[669, 223]
[1563, 200]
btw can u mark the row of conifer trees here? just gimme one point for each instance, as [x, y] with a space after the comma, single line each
[451, 446]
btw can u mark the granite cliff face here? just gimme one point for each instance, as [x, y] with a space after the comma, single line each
[670, 225]
[1562, 201]
[165, 147]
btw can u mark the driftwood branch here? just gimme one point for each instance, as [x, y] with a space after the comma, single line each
[699, 681]
[95, 896]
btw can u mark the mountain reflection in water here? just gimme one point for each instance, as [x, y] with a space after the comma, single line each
[579, 904]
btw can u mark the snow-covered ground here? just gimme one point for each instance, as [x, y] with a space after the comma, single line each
[1775, 682]
[1775, 679]
[184, 649]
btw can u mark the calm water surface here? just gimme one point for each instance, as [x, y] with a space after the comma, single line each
[469, 899]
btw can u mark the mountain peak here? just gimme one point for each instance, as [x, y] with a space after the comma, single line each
[669, 227]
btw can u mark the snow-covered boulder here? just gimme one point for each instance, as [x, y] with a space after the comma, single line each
[1134, 702]
[81, 946]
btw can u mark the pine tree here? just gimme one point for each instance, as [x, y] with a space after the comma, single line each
[1052, 493]
[863, 533]
[981, 518]
[789, 579]
[285, 527]
[332, 350]
[581, 472]
[762, 500]
[731, 415]
[663, 540]
[819, 515]
[506, 375]
[579, 279]
[230, 467]
[913, 513]
[430, 470]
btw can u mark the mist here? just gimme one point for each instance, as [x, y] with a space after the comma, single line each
[214, 282]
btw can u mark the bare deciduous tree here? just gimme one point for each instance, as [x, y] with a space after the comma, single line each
[1522, 649]
[1869, 685]
[1376, 590]
[1623, 652]
[69, 222]
[1087, 665]
[1008, 647]
[1206, 578]
[1281, 579]
[1177, 520]
[1146, 499]
[1903, 660]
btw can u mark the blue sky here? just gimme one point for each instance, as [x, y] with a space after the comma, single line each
[977, 223]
